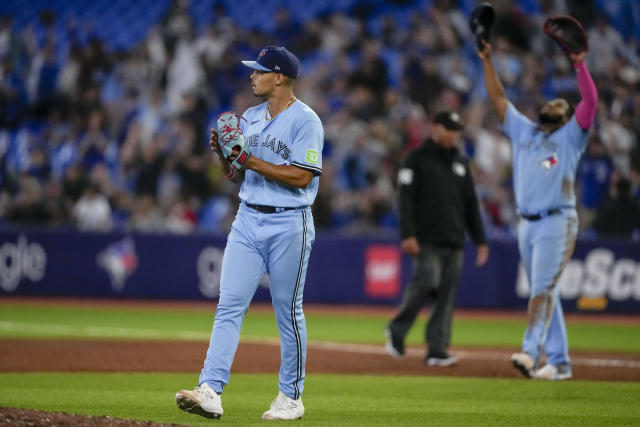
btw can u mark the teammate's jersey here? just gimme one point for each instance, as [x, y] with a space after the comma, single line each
[544, 166]
[293, 137]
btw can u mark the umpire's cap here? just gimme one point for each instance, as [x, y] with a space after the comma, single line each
[276, 59]
[449, 119]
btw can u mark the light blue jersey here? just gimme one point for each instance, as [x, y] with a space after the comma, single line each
[293, 137]
[544, 166]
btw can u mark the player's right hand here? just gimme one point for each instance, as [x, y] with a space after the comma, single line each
[485, 52]
[410, 246]
[577, 58]
[213, 142]
[482, 255]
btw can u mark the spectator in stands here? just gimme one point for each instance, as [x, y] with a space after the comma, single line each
[146, 216]
[29, 205]
[619, 215]
[13, 95]
[594, 174]
[39, 165]
[388, 67]
[92, 211]
[606, 45]
[617, 138]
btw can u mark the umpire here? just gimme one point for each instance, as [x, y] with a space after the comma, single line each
[437, 205]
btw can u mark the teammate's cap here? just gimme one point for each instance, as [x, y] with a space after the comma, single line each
[276, 59]
[449, 119]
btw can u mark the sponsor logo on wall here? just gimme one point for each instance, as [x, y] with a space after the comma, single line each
[21, 260]
[382, 271]
[600, 277]
[120, 261]
[209, 267]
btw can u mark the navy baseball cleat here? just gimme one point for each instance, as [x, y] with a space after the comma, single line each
[203, 401]
[394, 345]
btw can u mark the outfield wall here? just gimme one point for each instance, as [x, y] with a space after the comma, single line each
[602, 276]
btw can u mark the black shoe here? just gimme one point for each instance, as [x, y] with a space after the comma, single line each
[394, 345]
[441, 359]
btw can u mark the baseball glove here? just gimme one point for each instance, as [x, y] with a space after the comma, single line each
[567, 32]
[481, 21]
[231, 142]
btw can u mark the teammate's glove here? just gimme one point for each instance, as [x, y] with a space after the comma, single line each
[231, 142]
[481, 21]
[567, 32]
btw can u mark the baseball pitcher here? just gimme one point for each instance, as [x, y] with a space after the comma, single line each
[275, 149]
[545, 159]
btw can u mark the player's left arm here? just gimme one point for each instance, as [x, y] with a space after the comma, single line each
[305, 157]
[474, 219]
[287, 174]
[587, 107]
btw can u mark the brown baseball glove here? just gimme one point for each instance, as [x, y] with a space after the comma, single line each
[567, 32]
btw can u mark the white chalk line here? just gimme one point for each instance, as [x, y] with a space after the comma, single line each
[97, 331]
[120, 332]
[476, 355]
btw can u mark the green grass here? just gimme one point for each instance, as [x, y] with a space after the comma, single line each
[37, 321]
[336, 399]
[330, 399]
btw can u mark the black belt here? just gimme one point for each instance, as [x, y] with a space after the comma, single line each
[268, 209]
[537, 217]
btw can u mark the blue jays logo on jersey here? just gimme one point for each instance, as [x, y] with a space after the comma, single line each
[549, 162]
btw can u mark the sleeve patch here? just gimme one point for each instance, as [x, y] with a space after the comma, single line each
[405, 176]
[312, 157]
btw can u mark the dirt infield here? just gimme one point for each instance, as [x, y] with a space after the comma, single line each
[160, 356]
[30, 418]
[23, 355]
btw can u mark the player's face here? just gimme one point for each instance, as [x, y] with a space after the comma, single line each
[554, 112]
[262, 82]
[444, 136]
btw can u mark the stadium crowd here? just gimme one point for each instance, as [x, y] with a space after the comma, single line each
[100, 137]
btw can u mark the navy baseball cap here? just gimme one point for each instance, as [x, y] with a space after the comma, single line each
[276, 59]
[449, 119]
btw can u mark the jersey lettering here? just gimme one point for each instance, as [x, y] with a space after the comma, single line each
[252, 140]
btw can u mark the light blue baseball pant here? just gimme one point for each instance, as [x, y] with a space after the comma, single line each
[546, 247]
[278, 243]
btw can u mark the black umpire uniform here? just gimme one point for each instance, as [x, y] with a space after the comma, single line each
[438, 204]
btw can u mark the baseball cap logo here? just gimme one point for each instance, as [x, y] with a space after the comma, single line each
[276, 59]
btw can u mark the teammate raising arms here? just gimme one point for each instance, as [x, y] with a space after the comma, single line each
[545, 159]
[275, 148]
